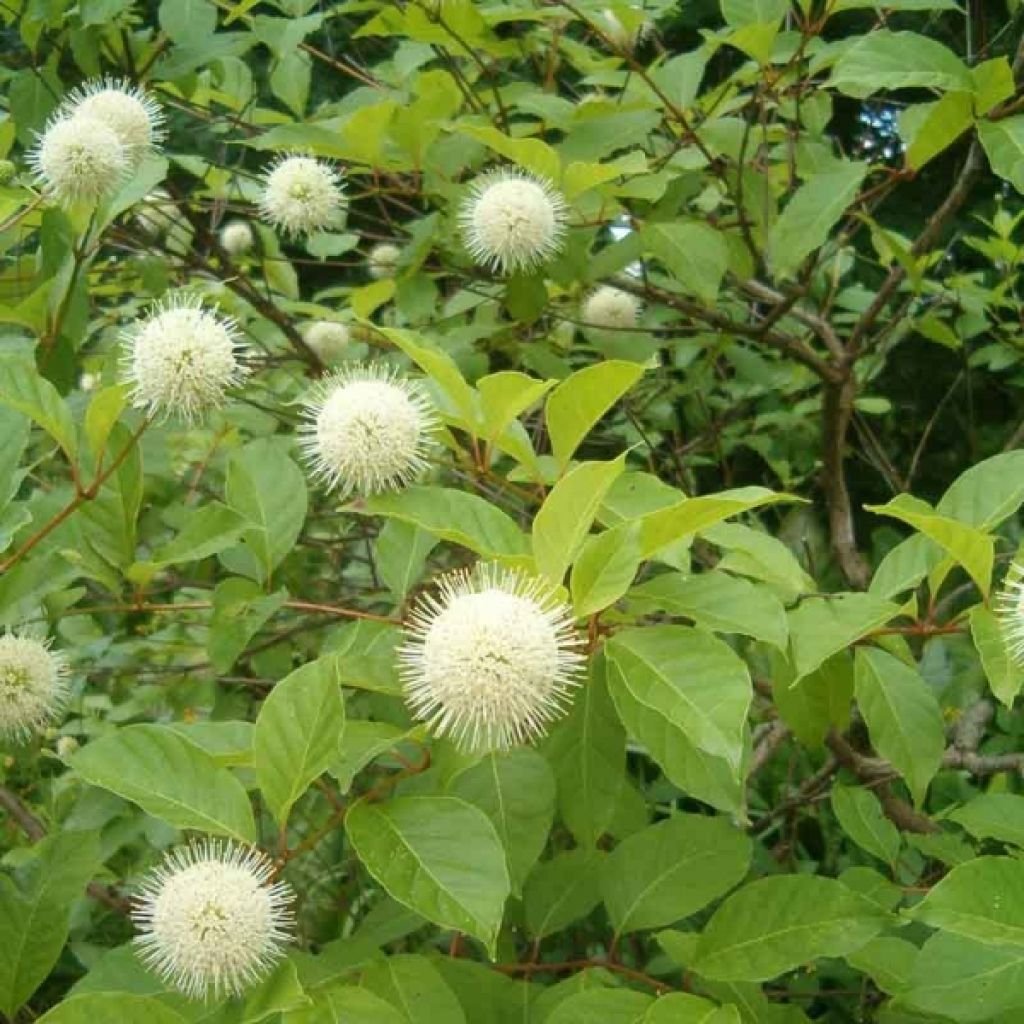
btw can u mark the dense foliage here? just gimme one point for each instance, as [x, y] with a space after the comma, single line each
[687, 336]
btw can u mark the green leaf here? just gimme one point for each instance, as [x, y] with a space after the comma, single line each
[818, 702]
[987, 493]
[437, 855]
[811, 213]
[528, 154]
[240, 610]
[588, 751]
[982, 900]
[188, 22]
[361, 742]
[695, 254]
[562, 890]
[297, 734]
[964, 980]
[456, 516]
[346, 1002]
[34, 917]
[821, 627]
[413, 985]
[504, 395]
[671, 870]
[111, 1006]
[683, 1008]
[755, 554]
[775, 924]
[401, 551]
[104, 409]
[266, 488]
[898, 60]
[860, 815]
[22, 388]
[581, 400]
[993, 816]
[564, 520]
[607, 1005]
[170, 778]
[662, 527]
[1004, 145]
[208, 530]
[605, 567]
[747, 12]
[931, 128]
[903, 717]
[973, 549]
[714, 600]
[1005, 676]
[676, 678]
[516, 790]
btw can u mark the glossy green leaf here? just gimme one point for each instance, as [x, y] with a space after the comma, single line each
[1004, 145]
[516, 790]
[671, 870]
[819, 628]
[297, 734]
[34, 916]
[240, 610]
[997, 816]
[564, 520]
[604, 569]
[898, 60]
[439, 856]
[775, 924]
[811, 213]
[456, 516]
[608, 1005]
[973, 549]
[209, 529]
[112, 1006]
[22, 388]
[685, 680]
[588, 752]
[170, 778]
[981, 900]
[562, 890]
[694, 253]
[413, 985]
[581, 400]
[717, 601]
[861, 817]
[902, 715]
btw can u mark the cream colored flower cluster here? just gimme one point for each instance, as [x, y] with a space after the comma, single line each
[98, 136]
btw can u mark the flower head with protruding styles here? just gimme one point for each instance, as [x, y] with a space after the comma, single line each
[1009, 609]
[382, 260]
[512, 221]
[302, 195]
[492, 659]
[79, 160]
[368, 430]
[611, 308]
[127, 109]
[237, 238]
[211, 919]
[181, 359]
[328, 339]
[33, 685]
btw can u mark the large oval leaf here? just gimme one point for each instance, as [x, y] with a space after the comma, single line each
[170, 778]
[438, 855]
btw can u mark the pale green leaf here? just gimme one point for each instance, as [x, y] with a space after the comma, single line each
[902, 715]
[1005, 676]
[898, 60]
[694, 253]
[671, 870]
[170, 778]
[562, 890]
[997, 816]
[1004, 144]
[775, 924]
[439, 856]
[820, 627]
[861, 817]
[413, 985]
[297, 734]
[24, 389]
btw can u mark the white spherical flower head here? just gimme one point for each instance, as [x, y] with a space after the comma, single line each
[133, 115]
[212, 921]
[157, 213]
[611, 308]
[383, 260]
[237, 238]
[1009, 609]
[79, 160]
[181, 359]
[491, 660]
[328, 339]
[513, 221]
[368, 430]
[302, 195]
[33, 685]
